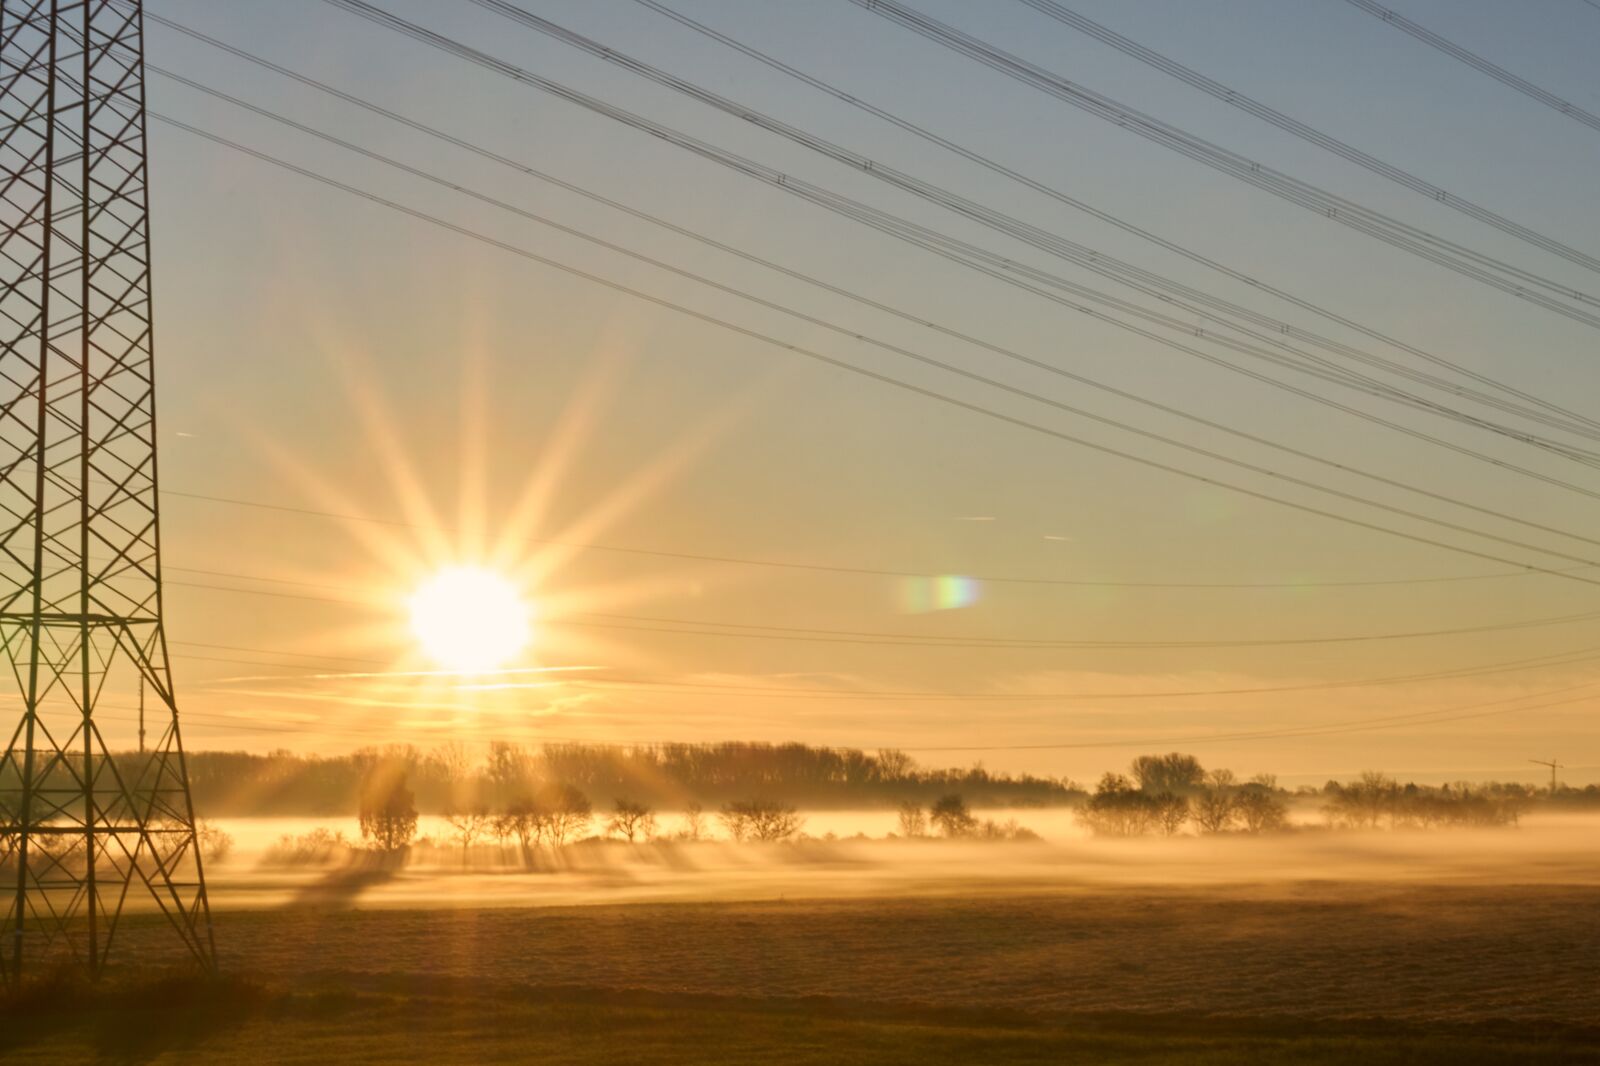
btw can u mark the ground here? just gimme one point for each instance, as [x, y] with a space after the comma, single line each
[1312, 972]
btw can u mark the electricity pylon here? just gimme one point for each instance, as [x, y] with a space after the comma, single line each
[87, 832]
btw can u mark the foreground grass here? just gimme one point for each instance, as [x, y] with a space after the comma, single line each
[370, 1022]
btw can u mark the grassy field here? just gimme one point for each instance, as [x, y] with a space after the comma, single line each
[1323, 973]
[466, 1022]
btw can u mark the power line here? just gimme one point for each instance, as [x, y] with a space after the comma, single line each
[1479, 63]
[656, 624]
[958, 251]
[999, 168]
[1129, 47]
[864, 372]
[1437, 716]
[1365, 725]
[1488, 270]
[830, 569]
[1038, 238]
[1558, 659]
[904, 352]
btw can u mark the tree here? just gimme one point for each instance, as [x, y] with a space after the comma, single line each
[526, 822]
[388, 811]
[215, 844]
[1216, 808]
[1117, 808]
[1260, 810]
[694, 822]
[913, 820]
[452, 761]
[1174, 772]
[631, 820]
[950, 816]
[767, 821]
[894, 764]
[1363, 803]
[508, 769]
[503, 826]
[1170, 812]
[567, 812]
[467, 826]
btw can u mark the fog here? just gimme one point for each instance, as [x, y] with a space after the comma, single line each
[1547, 849]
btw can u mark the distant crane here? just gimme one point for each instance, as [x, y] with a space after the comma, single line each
[1554, 766]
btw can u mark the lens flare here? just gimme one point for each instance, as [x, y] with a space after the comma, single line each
[942, 592]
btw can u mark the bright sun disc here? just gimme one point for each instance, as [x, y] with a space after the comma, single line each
[470, 620]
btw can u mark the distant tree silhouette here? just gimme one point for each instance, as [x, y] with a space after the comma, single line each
[503, 827]
[894, 764]
[388, 812]
[1260, 810]
[949, 814]
[452, 763]
[630, 820]
[1174, 772]
[1170, 812]
[456, 775]
[1117, 808]
[1216, 808]
[762, 820]
[526, 821]
[567, 813]
[215, 843]
[913, 820]
[509, 771]
[694, 822]
[467, 826]
[1363, 803]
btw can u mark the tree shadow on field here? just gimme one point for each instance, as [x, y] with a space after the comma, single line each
[342, 887]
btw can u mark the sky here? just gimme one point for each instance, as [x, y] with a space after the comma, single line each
[323, 353]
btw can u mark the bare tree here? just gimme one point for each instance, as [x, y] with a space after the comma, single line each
[631, 820]
[503, 827]
[764, 820]
[913, 820]
[1216, 808]
[467, 826]
[1260, 810]
[1362, 804]
[894, 764]
[567, 813]
[736, 820]
[509, 770]
[1170, 812]
[215, 844]
[388, 812]
[453, 762]
[527, 823]
[694, 822]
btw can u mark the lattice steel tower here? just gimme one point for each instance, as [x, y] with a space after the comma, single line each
[87, 831]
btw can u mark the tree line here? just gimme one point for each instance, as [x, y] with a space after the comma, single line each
[552, 817]
[1170, 794]
[455, 776]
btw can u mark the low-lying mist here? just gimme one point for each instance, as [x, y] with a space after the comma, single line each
[276, 862]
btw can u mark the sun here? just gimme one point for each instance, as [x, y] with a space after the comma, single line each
[470, 619]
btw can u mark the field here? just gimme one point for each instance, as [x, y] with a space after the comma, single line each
[1303, 972]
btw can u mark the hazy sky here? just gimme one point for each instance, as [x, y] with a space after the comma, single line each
[323, 352]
